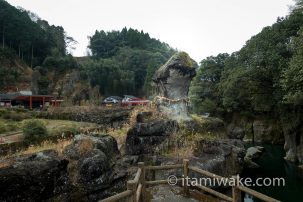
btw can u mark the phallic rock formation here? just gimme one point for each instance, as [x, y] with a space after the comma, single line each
[172, 82]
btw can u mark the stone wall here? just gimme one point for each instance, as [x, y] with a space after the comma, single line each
[103, 116]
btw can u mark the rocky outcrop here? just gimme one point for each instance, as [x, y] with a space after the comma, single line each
[37, 177]
[260, 129]
[144, 138]
[267, 131]
[223, 157]
[100, 170]
[172, 82]
[291, 120]
[174, 77]
[238, 126]
[202, 125]
[89, 169]
[253, 153]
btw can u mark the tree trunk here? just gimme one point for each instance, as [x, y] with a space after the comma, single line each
[32, 57]
[3, 38]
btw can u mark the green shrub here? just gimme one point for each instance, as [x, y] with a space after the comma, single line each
[16, 115]
[34, 131]
[66, 131]
[3, 127]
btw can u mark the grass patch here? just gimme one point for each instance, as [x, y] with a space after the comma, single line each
[183, 143]
[119, 133]
[45, 145]
[7, 126]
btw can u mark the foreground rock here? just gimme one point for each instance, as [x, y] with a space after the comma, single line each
[38, 177]
[172, 82]
[144, 138]
[89, 169]
[99, 170]
[223, 157]
[251, 154]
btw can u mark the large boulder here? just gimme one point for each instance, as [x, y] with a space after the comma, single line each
[172, 81]
[100, 170]
[253, 153]
[144, 138]
[38, 177]
[224, 157]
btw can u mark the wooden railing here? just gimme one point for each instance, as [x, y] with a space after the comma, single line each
[136, 188]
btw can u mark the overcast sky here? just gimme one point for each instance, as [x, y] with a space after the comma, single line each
[199, 27]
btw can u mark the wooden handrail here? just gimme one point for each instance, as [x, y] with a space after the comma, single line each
[136, 187]
[206, 173]
[118, 196]
[257, 194]
[138, 176]
[215, 193]
[138, 192]
[164, 167]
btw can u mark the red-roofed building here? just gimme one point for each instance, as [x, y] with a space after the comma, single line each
[26, 99]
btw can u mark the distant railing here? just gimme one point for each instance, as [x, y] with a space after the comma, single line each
[136, 188]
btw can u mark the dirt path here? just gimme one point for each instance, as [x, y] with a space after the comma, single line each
[16, 137]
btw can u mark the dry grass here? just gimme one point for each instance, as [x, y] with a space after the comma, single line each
[85, 147]
[183, 143]
[46, 145]
[120, 133]
[4, 164]
[184, 152]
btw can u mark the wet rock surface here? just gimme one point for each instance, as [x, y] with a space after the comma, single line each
[267, 131]
[293, 133]
[37, 177]
[144, 138]
[253, 153]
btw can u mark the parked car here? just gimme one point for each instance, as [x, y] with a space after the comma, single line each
[130, 100]
[112, 100]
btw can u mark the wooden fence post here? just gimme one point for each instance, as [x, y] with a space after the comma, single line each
[131, 185]
[142, 180]
[235, 191]
[185, 176]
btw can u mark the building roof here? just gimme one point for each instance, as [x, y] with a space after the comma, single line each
[15, 95]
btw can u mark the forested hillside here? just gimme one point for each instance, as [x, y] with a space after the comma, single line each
[123, 62]
[261, 77]
[34, 56]
[32, 38]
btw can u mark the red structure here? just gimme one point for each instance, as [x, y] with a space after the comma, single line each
[27, 100]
